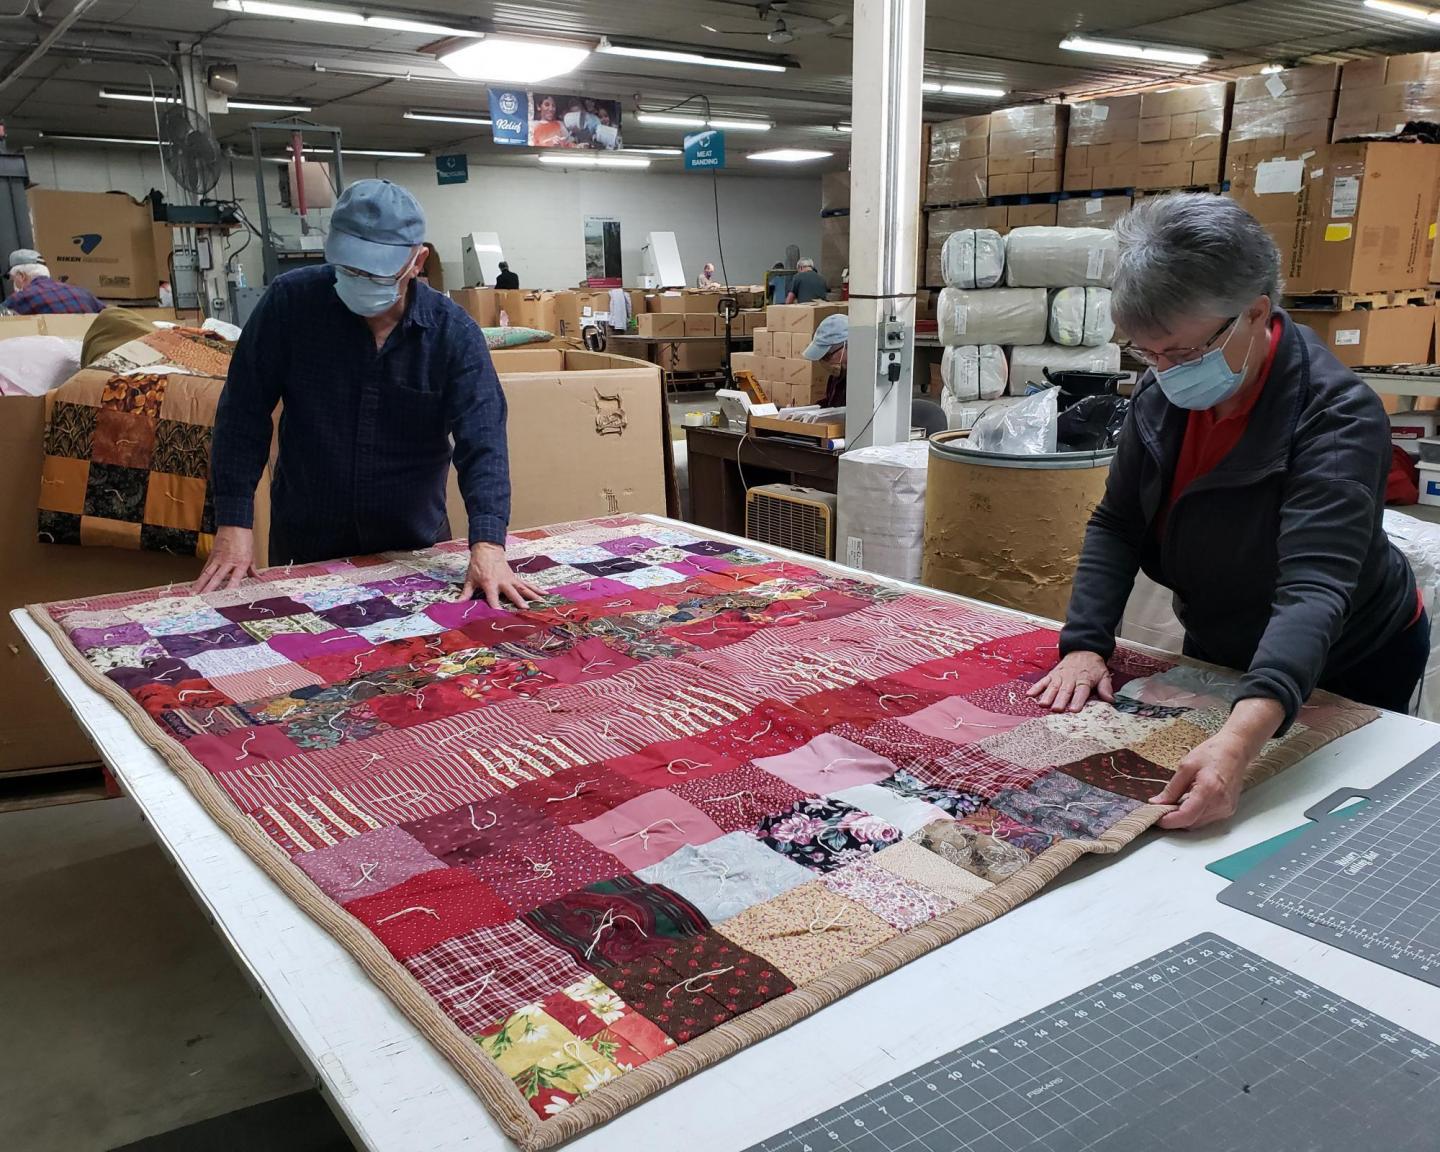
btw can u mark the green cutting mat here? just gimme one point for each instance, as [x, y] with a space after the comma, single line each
[1234, 866]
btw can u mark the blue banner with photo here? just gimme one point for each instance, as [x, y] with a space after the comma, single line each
[510, 115]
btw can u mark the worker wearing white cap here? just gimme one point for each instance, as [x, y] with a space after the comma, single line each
[831, 345]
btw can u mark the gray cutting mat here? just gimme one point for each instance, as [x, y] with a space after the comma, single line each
[1368, 880]
[1204, 1048]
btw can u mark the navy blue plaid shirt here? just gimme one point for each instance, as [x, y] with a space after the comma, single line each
[364, 433]
[46, 295]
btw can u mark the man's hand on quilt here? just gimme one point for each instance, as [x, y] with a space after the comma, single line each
[232, 558]
[1073, 681]
[490, 575]
[1208, 782]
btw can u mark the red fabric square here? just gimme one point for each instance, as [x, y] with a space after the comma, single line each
[715, 631]
[578, 794]
[954, 675]
[547, 865]
[592, 660]
[858, 705]
[420, 705]
[737, 801]
[241, 748]
[772, 728]
[471, 831]
[1010, 698]
[1035, 651]
[429, 908]
[493, 631]
[675, 761]
[898, 699]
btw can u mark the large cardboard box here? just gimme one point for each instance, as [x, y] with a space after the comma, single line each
[782, 344]
[673, 302]
[745, 362]
[1377, 336]
[1091, 211]
[955, 181]
[693, 356]
[661, 324]
[772, 368]
[702, 302]
[588, 436]
[103, 241]
[809, 375]
[574, 308]
[764, 344]
[1102, 148]
[804, 318]
[697, 324]
[1381, 93]
[1347, 217]
[1032, 215]
[481, 304]
[964, 138]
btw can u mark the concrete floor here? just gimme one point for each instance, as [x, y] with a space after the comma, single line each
[121, 1014]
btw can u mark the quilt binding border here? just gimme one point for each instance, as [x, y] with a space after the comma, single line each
[501, 1097]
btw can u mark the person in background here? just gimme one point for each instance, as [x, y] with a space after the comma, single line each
[34, 292]
[808, 285]
[778, 284]
[831, 346]
[1249, 479]
[706, 279]
[507, 278]
[377, 373]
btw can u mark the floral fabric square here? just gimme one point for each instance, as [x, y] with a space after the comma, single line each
[1064, 807]
[932, 873]
[807, 931]
[1122, 772]
[898, 902]
[950, 801]
[826, 834]
[986, 856]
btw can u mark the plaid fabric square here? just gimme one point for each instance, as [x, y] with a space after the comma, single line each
[970, 768]
[115, 492]
[480, 977]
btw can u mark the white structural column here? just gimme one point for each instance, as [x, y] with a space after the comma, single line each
[884, 193]
[199, 99]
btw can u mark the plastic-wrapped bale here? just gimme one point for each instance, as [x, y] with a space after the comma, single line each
[1027, 363]
[1060, 257]
[973, 258]
[1081, 316]
[993, 316]
[880, 526]
[974, 372]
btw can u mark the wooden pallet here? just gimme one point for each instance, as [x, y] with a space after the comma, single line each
[1358, 301]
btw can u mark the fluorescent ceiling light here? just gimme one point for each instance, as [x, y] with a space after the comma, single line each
[1133, 51]
[514, 61]
[585, 160]
[1265, 71]
[1407, 11]
[973, 90]
[790, 155]
[676, 57]
[388, 153]
[239, 105]
[677, 121]
[649, 151]
[323, 15]
[101, 139]
[932, 86]
[741, 125]
[447, 117]
[846, 128]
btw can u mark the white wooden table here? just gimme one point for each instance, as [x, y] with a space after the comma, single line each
[395, 1093]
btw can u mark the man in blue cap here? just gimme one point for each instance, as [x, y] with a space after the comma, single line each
[377, 373]
[831, 344]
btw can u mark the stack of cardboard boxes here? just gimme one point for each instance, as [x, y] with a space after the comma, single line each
[1382, 93]
[958, 170]
[1280, 112]
[1182, 136]
[1103, 146]
[1353, 219]
[1027, 149]
[1092, 211]
[785, 376]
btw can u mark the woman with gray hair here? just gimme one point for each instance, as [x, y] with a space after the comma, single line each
[1249, 479]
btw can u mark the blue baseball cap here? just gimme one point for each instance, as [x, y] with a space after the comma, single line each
[833, 332]
[375, 227]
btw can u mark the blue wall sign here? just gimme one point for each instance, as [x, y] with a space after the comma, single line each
[705, 150]
[510, 115]
[452, 169]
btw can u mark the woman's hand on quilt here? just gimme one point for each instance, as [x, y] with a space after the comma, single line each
[489, 574]
[1072, 682]
[232, 558]
[1208, 782]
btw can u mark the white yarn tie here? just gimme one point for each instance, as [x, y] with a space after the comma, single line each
[607, 922]
[407, 911]
[573, 795]
[644, 833]
[245, 747]
[493, 820]
[686, 984]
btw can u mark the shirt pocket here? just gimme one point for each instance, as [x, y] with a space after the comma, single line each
[410, 417]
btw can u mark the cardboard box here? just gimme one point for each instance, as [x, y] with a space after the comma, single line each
[1189, 98]
[535, 310]
[1103, 121]
[481, 304]
[588, 436]
[1435, 253]
[1347, 217]
[1091, 211]
[803, 318]
[749, 320]
[573, 309]
[103, 241]
[1287, 83]
[1033, 215]
[773, 368]
[702, 303]
[661, 324]
[697, 324]
[780, 344]
[693, 356]
[764, 343]
[745, 362]
[964, 138]
[835, 191]
[1376, 71]
[955, 181]
[1378, 336]
[810, 376]
[672, 302]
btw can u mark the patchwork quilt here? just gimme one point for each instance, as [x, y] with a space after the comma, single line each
[692, 795]
[127, 446]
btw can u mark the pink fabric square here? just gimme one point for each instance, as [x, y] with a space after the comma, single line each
[591, 589]
[673, 762]
[241, 748]
[627, 545]
[367, 864]
[827, 764]
[647, 829]
[458, 613]
[961, 722]
[307, 646]
[698, 565]
[592, 660]
[954, 675]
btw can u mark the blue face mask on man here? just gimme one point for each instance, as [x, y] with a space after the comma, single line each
[364, 296]
[1205, 382]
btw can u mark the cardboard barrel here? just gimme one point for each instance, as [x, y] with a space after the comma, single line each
[1007, 530]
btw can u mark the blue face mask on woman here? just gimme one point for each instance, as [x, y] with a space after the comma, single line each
[1205, 382]
[364, 296]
